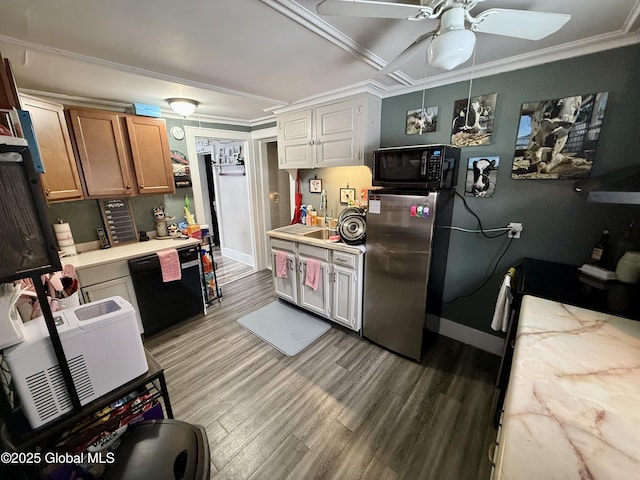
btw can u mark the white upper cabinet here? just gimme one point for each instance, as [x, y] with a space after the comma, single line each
[343, 133]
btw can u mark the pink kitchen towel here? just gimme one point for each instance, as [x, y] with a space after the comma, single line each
[170, 265]
[281, 264]
[313, 273]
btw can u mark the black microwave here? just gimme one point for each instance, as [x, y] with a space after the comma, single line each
[416, 167]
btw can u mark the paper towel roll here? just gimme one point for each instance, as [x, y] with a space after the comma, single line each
[64, 238]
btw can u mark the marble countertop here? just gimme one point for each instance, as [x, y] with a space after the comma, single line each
[572, 408]
[93, 258]
[295, 233]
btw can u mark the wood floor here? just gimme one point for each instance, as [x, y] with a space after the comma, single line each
[341, 409]
[228, 270]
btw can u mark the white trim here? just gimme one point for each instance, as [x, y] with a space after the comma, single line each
[539, 57]
[237, 256]
[471, 336]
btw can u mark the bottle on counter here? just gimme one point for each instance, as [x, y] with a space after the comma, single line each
[625, 244]
[599, 252]
[303, 214]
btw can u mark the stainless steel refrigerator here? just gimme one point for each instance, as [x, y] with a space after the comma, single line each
[399, 267]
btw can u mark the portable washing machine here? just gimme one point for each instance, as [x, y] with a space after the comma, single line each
[103, 350]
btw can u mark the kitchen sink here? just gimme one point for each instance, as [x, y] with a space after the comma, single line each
[323, 234]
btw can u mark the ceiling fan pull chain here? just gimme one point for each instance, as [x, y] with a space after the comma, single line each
[473, 65]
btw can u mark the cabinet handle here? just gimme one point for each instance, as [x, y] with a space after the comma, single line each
[310, 142]
[87, 297]
[318, 142]
[141, 187]
[128, 187]
[47, 192]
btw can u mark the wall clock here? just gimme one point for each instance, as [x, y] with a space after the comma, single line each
[315, 185]
[177, 133]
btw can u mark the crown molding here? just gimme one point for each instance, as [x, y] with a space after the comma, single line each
[368, 86]
[566, 51]
[74, 100]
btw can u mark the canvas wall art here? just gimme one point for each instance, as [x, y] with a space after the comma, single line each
[557, 138]
[422, 120]
[482, 175]
[473, 126]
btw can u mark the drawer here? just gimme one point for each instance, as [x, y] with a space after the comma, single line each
[344, 259]
[102, 273]
[315, 252]
[278, 244]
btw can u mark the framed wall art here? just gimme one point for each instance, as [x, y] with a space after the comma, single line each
[482, 175]
[473, 126]
[347, 195]
[315, 185]
[421, 120]
[557, 138]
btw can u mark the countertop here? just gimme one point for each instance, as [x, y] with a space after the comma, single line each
[94, 258]
[295, 233]
[572, 405]
[566, 284]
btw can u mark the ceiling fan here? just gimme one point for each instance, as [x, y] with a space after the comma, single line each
[451, 43]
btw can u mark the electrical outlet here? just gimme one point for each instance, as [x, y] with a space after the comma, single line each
[516, 229]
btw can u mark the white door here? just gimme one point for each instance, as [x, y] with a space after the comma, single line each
[314, 300]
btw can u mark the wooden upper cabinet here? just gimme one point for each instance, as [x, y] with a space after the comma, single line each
[61, 180]
[102, 151]
[120, 154]
[150, 155]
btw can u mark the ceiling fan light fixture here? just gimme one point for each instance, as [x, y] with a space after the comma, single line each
[182, 106]
[450, 49]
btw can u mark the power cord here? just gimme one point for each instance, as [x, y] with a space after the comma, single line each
[495, 267]
[505, 230]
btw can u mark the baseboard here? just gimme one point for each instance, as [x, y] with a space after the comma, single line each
[238, 256]
[462, 333]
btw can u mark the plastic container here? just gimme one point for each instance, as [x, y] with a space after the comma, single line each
[628, 268]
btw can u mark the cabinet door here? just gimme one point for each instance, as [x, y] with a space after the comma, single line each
[119, 286]
[344, 297]
[295, 144]
[337, 134]
[150, 154]
[102, 152]
[61, 180]
[314, 300]
[286, 287]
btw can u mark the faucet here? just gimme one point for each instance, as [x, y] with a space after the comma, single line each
[323, 205]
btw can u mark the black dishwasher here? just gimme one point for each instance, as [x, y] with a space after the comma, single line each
[163, 304]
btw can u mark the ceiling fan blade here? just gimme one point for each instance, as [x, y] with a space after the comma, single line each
[519, 23]
[407, 53]
[372, 9]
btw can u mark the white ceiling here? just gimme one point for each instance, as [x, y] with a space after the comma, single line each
[242, 58]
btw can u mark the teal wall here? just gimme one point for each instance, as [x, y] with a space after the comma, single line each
[558, 224]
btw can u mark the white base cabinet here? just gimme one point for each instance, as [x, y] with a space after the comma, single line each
[340, 282]
[106, 281]
[343, 133]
